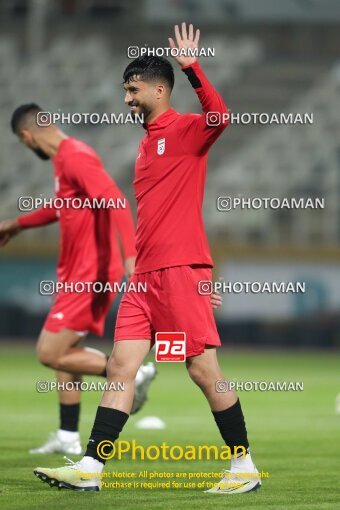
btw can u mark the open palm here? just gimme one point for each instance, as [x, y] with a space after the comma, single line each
[185, 41]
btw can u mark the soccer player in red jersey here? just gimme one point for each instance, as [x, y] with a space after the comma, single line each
[172, 258]
[90, 252]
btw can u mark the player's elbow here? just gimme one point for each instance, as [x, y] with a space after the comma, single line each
[225, 114]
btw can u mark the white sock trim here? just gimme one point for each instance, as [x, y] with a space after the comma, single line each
[91, 465]
[66, 436]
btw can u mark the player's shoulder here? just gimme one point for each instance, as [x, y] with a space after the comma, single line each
[74, 148]
[188, 118]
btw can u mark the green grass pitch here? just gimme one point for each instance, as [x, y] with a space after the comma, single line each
[294, 435]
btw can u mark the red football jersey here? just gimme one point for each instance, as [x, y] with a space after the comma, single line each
[170, 173]
[89, 243]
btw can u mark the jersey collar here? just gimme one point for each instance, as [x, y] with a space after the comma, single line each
[161, 121]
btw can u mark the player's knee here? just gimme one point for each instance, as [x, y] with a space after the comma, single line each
[45, 356]
[199, 375]
[119, 369]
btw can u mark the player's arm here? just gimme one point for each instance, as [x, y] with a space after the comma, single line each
[40, 217]
[122, 218]
[200, 131]
[87, 172]
[12, 227]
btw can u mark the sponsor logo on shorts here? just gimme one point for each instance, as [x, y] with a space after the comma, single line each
[170, 347]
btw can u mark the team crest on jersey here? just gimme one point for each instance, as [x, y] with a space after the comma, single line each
[161, 146]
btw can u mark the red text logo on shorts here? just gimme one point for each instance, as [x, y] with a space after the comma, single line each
[170, 346]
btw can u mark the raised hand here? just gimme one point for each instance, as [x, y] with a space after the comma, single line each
[185, 41]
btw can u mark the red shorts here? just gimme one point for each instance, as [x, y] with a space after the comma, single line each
[83, 312]
[171, 303]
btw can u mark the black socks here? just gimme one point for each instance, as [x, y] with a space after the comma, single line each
[110, 422]
[69, 417]
[232, 426]
[107, 427]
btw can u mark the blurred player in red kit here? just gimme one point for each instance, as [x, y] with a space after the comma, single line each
[89, 252]
[173, 256]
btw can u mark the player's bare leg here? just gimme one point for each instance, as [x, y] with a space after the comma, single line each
[61, 349]
[243, 476]
[123, 364]
[205, 371]
[112, 414]
[51, 348]
[61, 352]
[72, 395]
